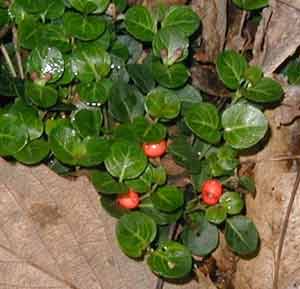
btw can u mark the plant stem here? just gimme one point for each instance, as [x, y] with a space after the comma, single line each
[18, 55]
[8, 61]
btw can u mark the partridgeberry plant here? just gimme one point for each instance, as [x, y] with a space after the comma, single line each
[104, 84]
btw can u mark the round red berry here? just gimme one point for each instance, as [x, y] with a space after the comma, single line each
[211, 191]
[155, 150]
[128, 200]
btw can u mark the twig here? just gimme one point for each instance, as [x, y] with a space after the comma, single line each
[8, 61]
[284, 228]
[18, 55]
[173, 228]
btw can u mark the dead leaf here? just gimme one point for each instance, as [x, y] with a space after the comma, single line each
[278, 35]
[54, 234]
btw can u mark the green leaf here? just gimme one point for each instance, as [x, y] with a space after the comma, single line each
[125, 102]
[204, 120]
[110, 205]
[173, 76]
[244, 125]
[293, 72]
[141, 76]
[30, 33]
[253, 74]
[216, 214]
[247, 183]
[90, 6]
[118, 69]
[160, 218]
[47, 62]
[181, 18]
[231, 67]
[251, 4]
[204, 175]
[140, 23]
[159, 175]
[54, 9]
[10, 86]
[135, 232]
[33, 153]
[33, 6]
[233, 202]
[13, 134]
[29, 117]
[42, 96]
[162, 103]
[126, 160]
[4, 17]
[105, 184]
[93, 92]
[83, 27]
[188, 95]
[264, 91]
[87, 122]
[120, 50]
[68, 74]
[90, 63]
[241, 235]
[135, 48]
[143, 183]
[168, 198]
[171, 45]
[171, 260]
[201, 237]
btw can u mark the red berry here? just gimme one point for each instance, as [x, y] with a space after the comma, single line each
[154, 150]
[211, 192]
[128, 200]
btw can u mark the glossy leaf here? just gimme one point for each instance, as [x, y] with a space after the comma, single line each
[33, 153]
[231, 67]
[173, 76]
[251, 4]
[30, 33]
[188, 95]
[54, 9]
[216, 214]
[47, 62]
[204, 120]
[143, 183]
[265, 90]
[88, 6]
[253, 74]
[244, 125]
[140, 23]
[33, 6]
[159, 175]
[126, 160]
[233, 202]
[13, 134]
[87, 122]
[168, 198]
[241, 235]
[181, 18]
[171, 260]
[135, 232]
[293, 72]
[93, 92]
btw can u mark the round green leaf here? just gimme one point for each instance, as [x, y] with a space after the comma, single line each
[105, 184]
[201, 238]
[30, 33]
[216, 214]
[241, 235]
[140, 23]
[159, 175]
[42, 96]
[160, 218]
[171, 45]
[88, 6]
[135, 232]
[264, 91]
[244, 125]
[66, 144]
[47, 62]
[181, 18]
[55, 9]
[33, 6]
[162, 103]
[13, 134]
[87, 122]
[170, 76]
[188, 95]
[33, 153]
[253, 74]
[168, 198]
[233, 202]
[143, 183]
[204, 120]
[251, 4]
[126, 160]
[231, 67]
[90, 63]
[96, 149]
[30, 118]
[83, 27]
[171, 260]
[93, 92]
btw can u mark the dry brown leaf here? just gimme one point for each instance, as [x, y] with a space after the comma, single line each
[278, 35]
[53, 234]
